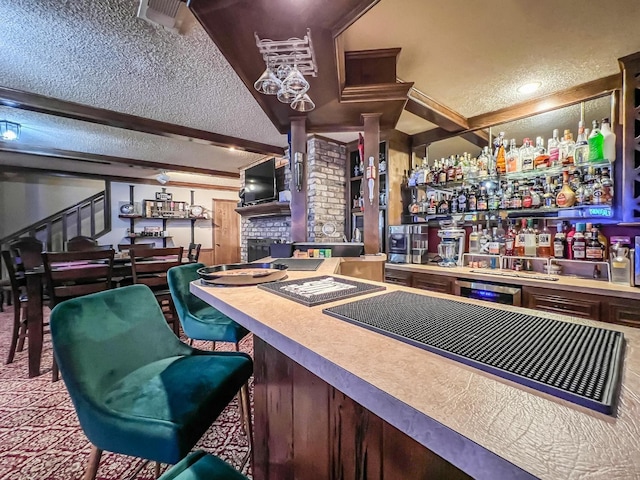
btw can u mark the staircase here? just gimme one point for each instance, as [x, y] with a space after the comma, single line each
[90, 217]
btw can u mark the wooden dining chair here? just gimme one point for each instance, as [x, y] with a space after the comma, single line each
[28, 252]
[74, 274]
[149, 267]
[19, 298]
[125, 247]
[81, 243]
[194, 252]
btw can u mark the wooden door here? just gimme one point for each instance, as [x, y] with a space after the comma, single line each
[226, 232]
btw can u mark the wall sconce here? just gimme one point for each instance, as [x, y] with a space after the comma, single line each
[287, 61]
[298, 170]
[9, 130]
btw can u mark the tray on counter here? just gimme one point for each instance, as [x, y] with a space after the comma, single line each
[240, 274]
[317, 290]
[300, 264]
[575, 362]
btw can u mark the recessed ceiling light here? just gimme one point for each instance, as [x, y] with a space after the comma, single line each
[529, 87]
[233, 149]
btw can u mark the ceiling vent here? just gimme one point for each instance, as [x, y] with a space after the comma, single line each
[165, 13]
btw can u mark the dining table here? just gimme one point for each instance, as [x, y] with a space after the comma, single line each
[34, 279]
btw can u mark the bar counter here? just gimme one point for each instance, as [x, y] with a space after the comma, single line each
[584, 285]
[487, 427]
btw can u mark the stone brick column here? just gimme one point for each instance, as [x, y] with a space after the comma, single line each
[327, 176]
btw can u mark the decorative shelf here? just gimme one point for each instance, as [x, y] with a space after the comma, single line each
[270, 209]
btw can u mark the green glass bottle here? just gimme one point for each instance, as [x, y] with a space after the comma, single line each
[596, 143]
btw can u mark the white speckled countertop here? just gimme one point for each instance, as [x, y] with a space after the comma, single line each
[488, 427]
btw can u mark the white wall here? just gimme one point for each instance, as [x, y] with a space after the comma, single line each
[180, 230]
[25, 199]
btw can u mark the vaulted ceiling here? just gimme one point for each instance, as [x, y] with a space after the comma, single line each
[467, 57]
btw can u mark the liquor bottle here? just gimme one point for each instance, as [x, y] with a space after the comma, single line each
[544, 242]
[521, 238]
[501, 156]
[526, 155]
[493, 200]
[513, 158]
[509, 241]
[482, 203]
[474, 240]
[442, 173]
[560, 243]
[607, 187]
[609, 140]
[459, 171]
[549, 196]
[472, 201]
[581, 151]
[541, 159]
[484, 241]
[594, 249]
[597, 191]
[579, 245]
[566, 197]
[443, 206]
[462, 201]
[570, 236]
[530, 240]
[567, 148]
[451, 170]
[516, 198]
[527, 201]
[603, 240]
[536, 197]
[553, 149]
[483, 162]
[494, 242]
[596, 143]
[453, 202]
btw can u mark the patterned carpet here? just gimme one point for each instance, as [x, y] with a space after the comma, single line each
[40, 438]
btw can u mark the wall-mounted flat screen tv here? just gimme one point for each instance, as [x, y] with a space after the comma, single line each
[260, 183]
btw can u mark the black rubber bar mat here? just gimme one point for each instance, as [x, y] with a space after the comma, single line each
[578, 363]
[300, 264]
[316, 290]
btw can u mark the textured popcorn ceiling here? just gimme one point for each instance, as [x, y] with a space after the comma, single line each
[99, 53]
[471, 56]
[47, 131]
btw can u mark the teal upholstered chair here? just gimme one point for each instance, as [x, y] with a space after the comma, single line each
[137, 389]
[201, 466]
[200, 321]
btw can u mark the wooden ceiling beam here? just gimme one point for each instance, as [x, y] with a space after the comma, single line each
[108, 159]
[479, 138]
[76, 111]
[427, 108]
[546, 103]
[147, 181]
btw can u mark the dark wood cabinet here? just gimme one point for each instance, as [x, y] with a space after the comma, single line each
[435, 283]
[398, 277]
[564, 302]
[622, 311]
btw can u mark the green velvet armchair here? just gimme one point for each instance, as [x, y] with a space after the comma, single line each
[200, 321]
[201, 466]
[137, 389]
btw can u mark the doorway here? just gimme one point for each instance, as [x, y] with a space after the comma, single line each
[226, 232]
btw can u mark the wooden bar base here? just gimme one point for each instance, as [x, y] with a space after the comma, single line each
[305, 428]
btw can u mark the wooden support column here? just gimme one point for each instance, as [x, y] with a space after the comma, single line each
[371, 207]
[298, 192]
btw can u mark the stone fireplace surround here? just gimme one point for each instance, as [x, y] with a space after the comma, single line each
[326, 171]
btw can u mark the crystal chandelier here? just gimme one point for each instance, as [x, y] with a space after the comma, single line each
[287, 62]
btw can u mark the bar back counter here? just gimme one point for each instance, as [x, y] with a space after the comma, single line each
[336, 400]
